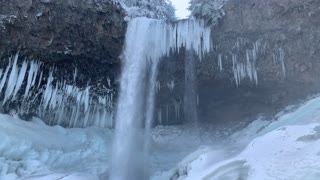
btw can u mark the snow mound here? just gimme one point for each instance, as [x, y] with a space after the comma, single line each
[33, 150]
[285, 149]
[290, 152]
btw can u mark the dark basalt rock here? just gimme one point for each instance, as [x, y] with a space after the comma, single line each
[287, 26]
[86, 34]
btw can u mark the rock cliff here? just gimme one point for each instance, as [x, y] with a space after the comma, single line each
[63, 33]
[265, 57]
[265, 54]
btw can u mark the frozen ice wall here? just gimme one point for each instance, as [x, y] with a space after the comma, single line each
[22, 91]
[147, 40]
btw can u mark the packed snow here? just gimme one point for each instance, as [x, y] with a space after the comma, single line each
[33, 150]
[286, 148]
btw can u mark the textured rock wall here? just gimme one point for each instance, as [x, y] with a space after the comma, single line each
[80, 41]
[284, 35]
[84, 33]
[281, 37]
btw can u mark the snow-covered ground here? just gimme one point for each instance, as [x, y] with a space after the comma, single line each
[287, 148]
[288, 153]
[30, 150]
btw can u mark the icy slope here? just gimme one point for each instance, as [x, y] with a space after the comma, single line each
[286, 149]
[33, 149]
[288, 153]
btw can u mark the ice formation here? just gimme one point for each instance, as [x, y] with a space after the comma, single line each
[12, 79]
[70, 106]
[31, 79]
[32, 150]
[220, 62]
[246, 69]
[60, 102]
[171, 85]
[147, 40]
[278, 58]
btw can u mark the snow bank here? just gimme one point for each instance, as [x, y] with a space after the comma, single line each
[36, 151]
[285, 149]
[290, 152]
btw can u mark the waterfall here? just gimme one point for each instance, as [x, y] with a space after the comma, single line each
[190, 96]
[147, 40]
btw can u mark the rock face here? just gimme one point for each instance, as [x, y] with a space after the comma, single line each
[79, 41]
[274, 43]
[288, 59]
[265, 54]
[87, 34]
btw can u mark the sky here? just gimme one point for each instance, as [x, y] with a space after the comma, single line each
[181, 8]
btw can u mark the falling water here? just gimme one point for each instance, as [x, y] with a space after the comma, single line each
[147, 41]
[190, 96]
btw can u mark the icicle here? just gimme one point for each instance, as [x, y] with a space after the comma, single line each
[29, 80]
[109, 82]
[75, 74]
[4, 78]
[1, 71]
[158, 86]
[48, 92]
[171, 85]
[21, 77]
[278, 57]
[12, 79]
[281, 58]
[86, 99]
[160, 116]
[235, 69]
[198, 100]
[35, 72]
[220, 62]
[167, 112]
[40, 79]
